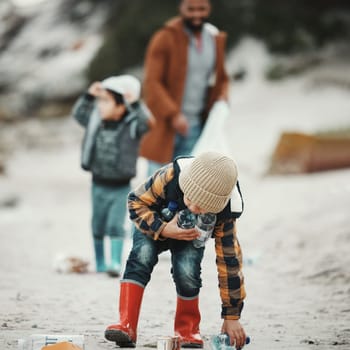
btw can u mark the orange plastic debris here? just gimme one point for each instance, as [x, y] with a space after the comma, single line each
[62, 346]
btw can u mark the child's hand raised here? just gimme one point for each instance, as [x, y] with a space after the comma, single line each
[95, 88]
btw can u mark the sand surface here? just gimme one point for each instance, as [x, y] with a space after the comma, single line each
[295, 233]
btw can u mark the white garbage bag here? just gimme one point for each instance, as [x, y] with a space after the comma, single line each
[213, 135]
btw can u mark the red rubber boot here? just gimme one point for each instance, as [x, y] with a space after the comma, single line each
[125, 332]
[186, 324]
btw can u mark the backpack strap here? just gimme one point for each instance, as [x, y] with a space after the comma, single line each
[172, 189]
[235, 205]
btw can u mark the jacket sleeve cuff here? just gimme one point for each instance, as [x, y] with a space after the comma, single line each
[230, 317]
[232, 312]
[89, 97]
[157, 236]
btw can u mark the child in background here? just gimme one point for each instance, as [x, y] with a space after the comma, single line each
[115, 120]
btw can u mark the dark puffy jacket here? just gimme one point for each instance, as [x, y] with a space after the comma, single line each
[110, 149]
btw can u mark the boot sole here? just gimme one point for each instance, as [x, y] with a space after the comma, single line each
[120, 338]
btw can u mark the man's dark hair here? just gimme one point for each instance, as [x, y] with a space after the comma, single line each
[118, 98]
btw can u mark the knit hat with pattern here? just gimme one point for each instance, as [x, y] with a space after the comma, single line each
[209, 180]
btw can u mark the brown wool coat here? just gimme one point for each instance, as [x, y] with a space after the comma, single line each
[164, 83]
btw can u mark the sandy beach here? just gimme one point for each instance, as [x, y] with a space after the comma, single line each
[295, 232]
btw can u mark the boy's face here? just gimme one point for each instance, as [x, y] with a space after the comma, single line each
[194, 208]
[108, 107]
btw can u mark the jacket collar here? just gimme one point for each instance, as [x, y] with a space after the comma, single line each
[175, 23]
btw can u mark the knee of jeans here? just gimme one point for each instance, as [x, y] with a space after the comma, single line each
[187, 288]
[98, 235]
[140, 264]
[144, 256]
[116, 232]
[147, 255]
[116, 235]
[187, 279]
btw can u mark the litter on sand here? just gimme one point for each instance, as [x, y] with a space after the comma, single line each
[52, 342]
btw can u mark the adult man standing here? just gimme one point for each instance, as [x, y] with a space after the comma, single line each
[184, 76]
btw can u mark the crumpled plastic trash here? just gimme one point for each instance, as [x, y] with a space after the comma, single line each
[52, 342]
[65, 263]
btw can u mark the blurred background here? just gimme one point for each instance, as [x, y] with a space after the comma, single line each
[49, 51]
[289, 65]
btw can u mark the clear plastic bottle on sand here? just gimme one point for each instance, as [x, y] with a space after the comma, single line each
[205, 224]
[222, 342]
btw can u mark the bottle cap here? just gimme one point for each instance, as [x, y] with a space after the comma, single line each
[172, 205]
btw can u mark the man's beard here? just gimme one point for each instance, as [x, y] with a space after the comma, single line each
[195, 27]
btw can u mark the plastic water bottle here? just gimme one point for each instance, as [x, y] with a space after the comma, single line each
[222, 342]
[186, 219]
[205, 224]
[169, 212]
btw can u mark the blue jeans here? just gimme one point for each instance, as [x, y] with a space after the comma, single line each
[184, 144]
[183, 147]
[109, 210]
[185, 260]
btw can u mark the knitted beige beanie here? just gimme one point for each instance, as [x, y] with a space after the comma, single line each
[209, 180]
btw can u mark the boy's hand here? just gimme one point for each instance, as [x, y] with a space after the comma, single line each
[171, 230]
[236, 332]
[95, 88]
